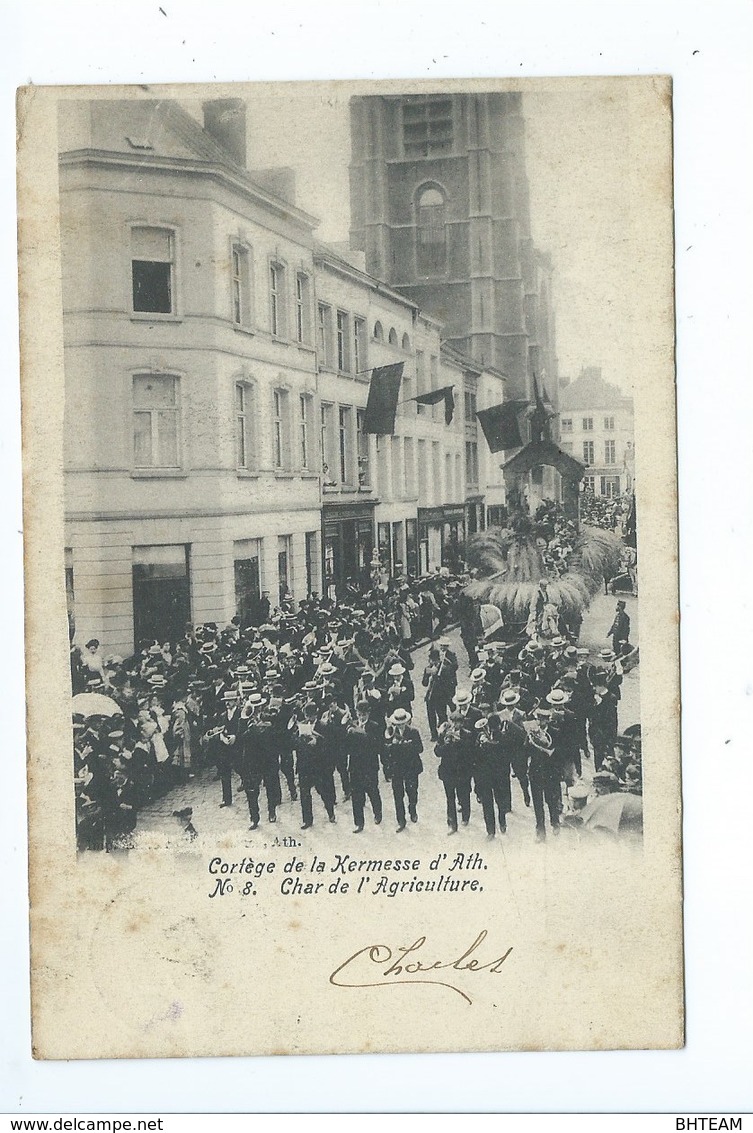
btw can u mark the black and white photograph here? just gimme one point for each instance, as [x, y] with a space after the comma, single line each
[350, 491]
[378, 451]
[351, 550]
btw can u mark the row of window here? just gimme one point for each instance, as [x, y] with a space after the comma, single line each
[156, 432]
[589, 453]
[341, 338]
[587, 424]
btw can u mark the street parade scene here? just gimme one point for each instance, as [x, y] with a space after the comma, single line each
[503, 699]
[345, 554]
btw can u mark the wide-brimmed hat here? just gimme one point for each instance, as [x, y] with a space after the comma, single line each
[396, 670]
[557, 696]
[509, 696]
[400, 716]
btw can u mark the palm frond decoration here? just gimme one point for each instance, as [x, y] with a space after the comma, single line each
[487, 551]
[597, 554]
[512, 565]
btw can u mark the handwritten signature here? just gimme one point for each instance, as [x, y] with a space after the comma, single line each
[394, 967]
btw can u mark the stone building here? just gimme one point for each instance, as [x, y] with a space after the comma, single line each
[217, 364]
[440, 208]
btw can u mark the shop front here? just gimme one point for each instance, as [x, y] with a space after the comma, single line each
[475, 515]
[441, 537]
[348, 546]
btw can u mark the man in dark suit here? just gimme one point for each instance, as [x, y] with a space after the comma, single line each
[402, 764]
[619, 631]
[364, 738]
[313, 765]
[544, 777]
[453, 750]
[220, 741]
[254, 744]
[440, 681]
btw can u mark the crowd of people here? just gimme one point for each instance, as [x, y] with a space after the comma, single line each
[325, 700]
[156, 727]
[604, 511]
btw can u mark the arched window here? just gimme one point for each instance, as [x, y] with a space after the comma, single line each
[406, 343]
[378, 332]
[431, 238]
[393, 337]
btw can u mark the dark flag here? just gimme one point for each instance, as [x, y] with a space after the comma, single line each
[444, 394]
[381, 406]
[500, 425]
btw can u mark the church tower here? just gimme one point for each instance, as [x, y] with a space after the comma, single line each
[440, 207]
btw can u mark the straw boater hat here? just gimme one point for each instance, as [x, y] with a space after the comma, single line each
[256, 700]
[396, 670]
[461, 697]
[582, 651]
[557, 642]
[208, 647]
[400, 716]
[328, 670]
[444, 643]
[481, 723]
[509, 697]
[557, 697]
[477, 676]
[231, 694]
[606, 655]
[157, 680]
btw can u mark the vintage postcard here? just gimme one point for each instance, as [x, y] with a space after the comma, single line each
[351, 567]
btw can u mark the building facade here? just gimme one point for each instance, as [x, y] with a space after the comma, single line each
[217, 367]
[596, 427]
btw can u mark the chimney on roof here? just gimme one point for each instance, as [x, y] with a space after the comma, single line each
[225, 120]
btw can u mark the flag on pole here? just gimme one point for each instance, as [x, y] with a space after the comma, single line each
[444, 394]
[381, 406]
[500, 425]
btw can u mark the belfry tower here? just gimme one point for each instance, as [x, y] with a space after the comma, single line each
[440, 207]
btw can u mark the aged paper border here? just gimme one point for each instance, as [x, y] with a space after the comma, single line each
[701, 101]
